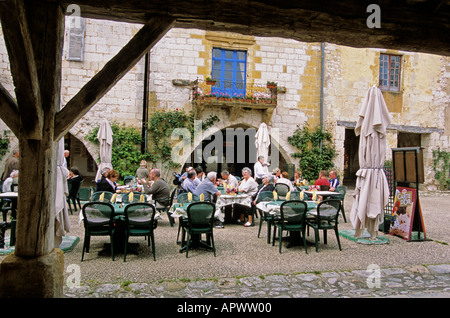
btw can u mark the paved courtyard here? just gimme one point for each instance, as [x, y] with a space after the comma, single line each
[246, 266]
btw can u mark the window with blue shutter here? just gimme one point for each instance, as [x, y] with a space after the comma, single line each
[229, 68]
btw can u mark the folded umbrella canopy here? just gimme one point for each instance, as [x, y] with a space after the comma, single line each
[372, 189]
[62, 223]
[262, 143]
[105, 138]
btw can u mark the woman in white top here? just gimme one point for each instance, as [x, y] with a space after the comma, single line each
[248, 186]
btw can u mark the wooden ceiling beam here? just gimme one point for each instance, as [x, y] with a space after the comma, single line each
[9, 111]
[111, 73]
[23, 67]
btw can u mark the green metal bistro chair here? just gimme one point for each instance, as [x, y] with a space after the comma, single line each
[127, 179]
[263, 197]
[98, 220]
[136, 197]
[95, 197]
[74, 188]
[342, 191]
[201, 221]
[295, 195]
[183, 197]
[139, 221]
[325, 219]
[282, 189]
[292, 219]
[84, 194]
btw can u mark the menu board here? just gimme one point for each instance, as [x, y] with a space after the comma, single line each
[406, 214]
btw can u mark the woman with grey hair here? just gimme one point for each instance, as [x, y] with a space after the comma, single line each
[250, 187]
[268, 185]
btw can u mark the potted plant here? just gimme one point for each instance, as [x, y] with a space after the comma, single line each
[271, 85]
[210, 81]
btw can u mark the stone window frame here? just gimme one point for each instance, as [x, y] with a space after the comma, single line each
[76, 27]
[392, 66]
[235, 60]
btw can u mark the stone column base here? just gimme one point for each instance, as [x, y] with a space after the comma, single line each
[41, 277]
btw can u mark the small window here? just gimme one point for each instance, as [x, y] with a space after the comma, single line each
[75, 41]
[229, 67]
[390, 66]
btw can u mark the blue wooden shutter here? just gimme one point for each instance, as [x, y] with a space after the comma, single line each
[229, 67]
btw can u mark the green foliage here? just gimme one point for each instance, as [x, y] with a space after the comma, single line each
[126, 154]
[441, 167]
[160, 127]
[4, 144]
[316, 151]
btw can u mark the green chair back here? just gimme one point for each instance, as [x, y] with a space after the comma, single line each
[183, 197]
[95, 197]
[84, 194]
[98, 220]
[201, 215]
[265, 196]
[293, 212]
[140, 221]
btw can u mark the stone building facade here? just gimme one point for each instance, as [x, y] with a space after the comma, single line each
[306, 95]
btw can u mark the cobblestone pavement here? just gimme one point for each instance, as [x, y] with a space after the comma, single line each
[409, 282]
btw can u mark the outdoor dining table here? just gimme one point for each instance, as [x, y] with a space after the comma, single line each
[324, 194]
[224, 200]
[119, 227]
[272, 211]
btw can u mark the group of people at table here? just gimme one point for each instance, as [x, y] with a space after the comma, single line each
[209, 187]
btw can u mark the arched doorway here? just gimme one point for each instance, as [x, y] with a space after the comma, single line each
[81, 159]
[231, 148]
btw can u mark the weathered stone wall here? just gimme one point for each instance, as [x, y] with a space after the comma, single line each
[185, 54]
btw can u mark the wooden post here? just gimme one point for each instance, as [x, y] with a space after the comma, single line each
[34, 33]
[34, 36]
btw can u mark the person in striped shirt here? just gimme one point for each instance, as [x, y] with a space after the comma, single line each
[334, 182]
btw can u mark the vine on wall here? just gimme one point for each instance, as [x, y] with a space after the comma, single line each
[4, 144]
[126, 153]
[160, 127]
[316, 151]
[441, 168]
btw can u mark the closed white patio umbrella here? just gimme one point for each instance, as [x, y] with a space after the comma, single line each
[372, 189]
[62, 223]
[105, 137]
[262, 143]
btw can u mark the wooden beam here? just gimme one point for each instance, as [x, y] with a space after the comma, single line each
[20, 51]
[9, 111]
[110, 74]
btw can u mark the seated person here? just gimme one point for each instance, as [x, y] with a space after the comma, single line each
[109, 183]
[229, 179]
[297, 177]
[10, 181]
[159, 189]
[248, 186]
[189, 183]
[334, 182]
[73, 178]
[268, 185]
[142, 171]
[200, 176]
[322, 180]
[276, 174]
[284, 178]
[208, 188]
[104, 173]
